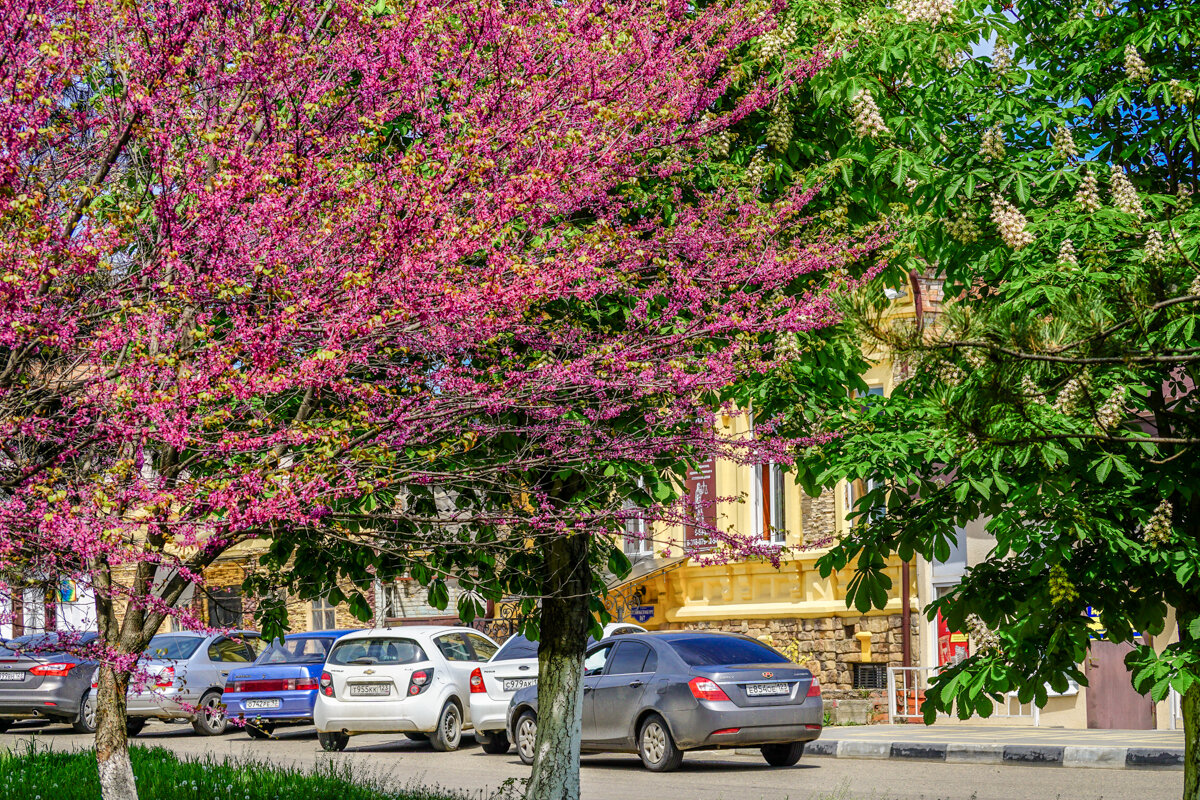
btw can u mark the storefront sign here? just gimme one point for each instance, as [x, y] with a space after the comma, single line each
[953, 646]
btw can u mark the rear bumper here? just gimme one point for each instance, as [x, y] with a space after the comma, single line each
[696, 729]
[488, 713]
[294, 706]
[53, 699]
[169, 704]
[396, 716]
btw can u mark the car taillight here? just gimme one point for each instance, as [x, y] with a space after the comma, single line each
[305, 685]
[56, 669]
[814, 688]
[704, 689]
[420, 681]
[477, 686]
[230, 688]
[326, 684]
[165, 679]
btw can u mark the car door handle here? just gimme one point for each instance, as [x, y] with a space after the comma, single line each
[635, 684]
[587, 689]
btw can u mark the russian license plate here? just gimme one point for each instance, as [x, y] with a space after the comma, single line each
[767, 689]
[271, 703]
[519, 683]
[12, 676]
[370, 689]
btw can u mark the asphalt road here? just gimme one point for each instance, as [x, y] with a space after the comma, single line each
[704, 776]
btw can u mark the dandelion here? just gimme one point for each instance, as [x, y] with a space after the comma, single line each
[1066, 256]
[1064, 144]
[1135, 67]
[1124, 195]
[1112, 413]
[868, 122]
[992, 145]
[1088, 196]
[1011, 224]
[1157, 530]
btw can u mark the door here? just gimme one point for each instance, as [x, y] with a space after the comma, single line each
[456, 649]
[1111, 699]
[226, 655]
[593, 671]
[618, 693]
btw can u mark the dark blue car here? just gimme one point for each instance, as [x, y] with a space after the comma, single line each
[281, 685]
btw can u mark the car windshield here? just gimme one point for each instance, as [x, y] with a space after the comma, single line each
[168, 646]
[305, 650]
[711, 651]
[377, 650]
[46, 643]
[519, 647]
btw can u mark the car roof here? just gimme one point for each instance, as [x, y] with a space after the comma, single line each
[203, 635]
[318, 634]
[410, 630]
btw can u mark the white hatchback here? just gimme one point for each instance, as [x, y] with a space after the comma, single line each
[514, 667]
[411, 680]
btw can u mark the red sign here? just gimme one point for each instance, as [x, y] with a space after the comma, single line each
[952, 645]
[701, 496]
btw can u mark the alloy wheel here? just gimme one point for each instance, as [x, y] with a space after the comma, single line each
[526, 737]
[654, 741]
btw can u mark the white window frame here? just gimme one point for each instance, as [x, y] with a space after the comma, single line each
[777, 535]
[637, 541]
[320, 611]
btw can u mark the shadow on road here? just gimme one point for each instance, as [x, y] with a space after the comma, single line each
[689, 765]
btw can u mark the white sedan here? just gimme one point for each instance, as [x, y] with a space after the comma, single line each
[411, 680]
[514, 667]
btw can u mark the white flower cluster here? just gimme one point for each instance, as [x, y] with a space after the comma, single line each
[934, 12]
[774, 44]
[1066, 255]
[1124, 195]
[721, 141]
[868, 122]
[950, 374]
[1072, 396]
[1184, 195]
[1135, 68]
[867, 24]
[963, 229]
[1112, 412]
[839, 215]
[1088, 195]
[1001, 57]
[1155, 249]
[1011, 223]
[1031, 391]
[992, 145]
[779, 129]
[1182, 95]
[949, 58]
[983, 639]
[976, 359]
[1194, 289]
[910, 184]
[1064, 144]
[756, 170]
[1158, 528]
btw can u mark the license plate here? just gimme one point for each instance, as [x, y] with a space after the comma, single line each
[12, 676]
[272, 703]
[370, 689]
[519, 683]
[767, 689]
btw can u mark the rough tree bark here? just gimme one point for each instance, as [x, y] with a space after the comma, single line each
[1191, 733]
[112, 745]
[565, 620]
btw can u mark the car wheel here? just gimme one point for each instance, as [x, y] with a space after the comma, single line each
[493, 743]
[260, 730]
[210, 715]
[526, 733]
[449, 730]
[86, 721]
[656, 747]
[333, 742]
[417, 737]
[783, 755]
[135, 725]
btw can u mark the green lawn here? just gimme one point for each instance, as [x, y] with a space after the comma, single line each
[39, 773]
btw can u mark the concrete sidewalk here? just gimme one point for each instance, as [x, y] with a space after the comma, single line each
[1022, 746]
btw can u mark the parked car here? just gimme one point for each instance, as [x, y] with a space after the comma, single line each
[281, 686]
[411, 680]
[39, 678]
[661, 694]
[514, 667]
[185, 674]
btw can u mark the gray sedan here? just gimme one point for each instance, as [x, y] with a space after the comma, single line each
[184, 676]
[660, 694]
[41, 677]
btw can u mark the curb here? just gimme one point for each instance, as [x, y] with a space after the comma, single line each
[1085, 756]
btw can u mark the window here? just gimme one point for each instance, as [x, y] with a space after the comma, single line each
[517, 647]
[165, 646]
[307, 650]
[593, 663]
[870, 676]
[377, 650]
[630, 658]
[484, 648]
[230, 651]
[638, 543]
[454, 647]
[225, 607]
[856, 490]
[770, 519]
[708, 651]
[324, 615]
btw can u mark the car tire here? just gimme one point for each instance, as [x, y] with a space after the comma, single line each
[134, 725]
[417, 737]
[210, 715]
[494, 743]
[5, 724]
[656, 747]
[260, 730]
[783, 755]
[85, 721]
[525, 732]
[333, 742]
[448, 735]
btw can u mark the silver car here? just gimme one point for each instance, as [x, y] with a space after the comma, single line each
[660, 694]
[40, 678]
[184, 675]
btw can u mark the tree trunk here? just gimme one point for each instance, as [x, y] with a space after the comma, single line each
[112, 742]
[1191, 747]
[565, 620]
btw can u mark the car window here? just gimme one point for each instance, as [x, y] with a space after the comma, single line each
[623, 631]
[484, 648]
[593, 663]
[516, 647]
[628, 658]
[377, 650]
[708, 651]
[230, 651]
[454, 647]
[308, 650]
[257, 644]
[166, 646]
[651, 664]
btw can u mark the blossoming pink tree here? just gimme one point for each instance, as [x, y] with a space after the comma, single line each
[273, 270]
